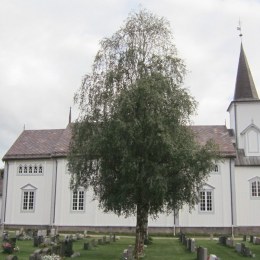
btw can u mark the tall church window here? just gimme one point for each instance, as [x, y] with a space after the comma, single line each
[255, 187]
[206, 199]
[78, 200]
[28, 198]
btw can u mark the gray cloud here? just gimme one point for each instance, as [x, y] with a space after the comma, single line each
[47, 46]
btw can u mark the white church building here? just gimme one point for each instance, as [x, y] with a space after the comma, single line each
[36, 189]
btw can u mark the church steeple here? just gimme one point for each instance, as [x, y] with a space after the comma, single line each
[245, 87]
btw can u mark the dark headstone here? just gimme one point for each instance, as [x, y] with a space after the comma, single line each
[100, 241]
[244, 237]
[66, 248]
[86, 246]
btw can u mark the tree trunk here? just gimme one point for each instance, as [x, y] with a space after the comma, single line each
[141, 230]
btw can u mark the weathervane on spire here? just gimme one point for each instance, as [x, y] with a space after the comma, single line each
[239, 28]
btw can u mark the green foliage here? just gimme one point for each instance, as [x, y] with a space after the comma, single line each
[132, 142]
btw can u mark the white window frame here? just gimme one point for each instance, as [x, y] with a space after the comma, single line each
[208, 192]
[78, 200]
[216, 166]
[28, 191]
[31, 170]
[254, 194]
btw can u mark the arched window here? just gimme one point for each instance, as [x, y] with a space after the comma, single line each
[40, 169]
[255, 187]
[35, 169]
[25, 169]
[30, 169]
[20, 169]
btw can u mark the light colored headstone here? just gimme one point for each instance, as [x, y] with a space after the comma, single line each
[44, 232]
[130, 252]
[53, 232]
[213, 257]
[192, 245]
[39, 233]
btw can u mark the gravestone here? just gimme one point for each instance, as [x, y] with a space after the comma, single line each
[130, 252]
[230, 242]
[104, 239]
[93, 243]
[192, 245]
[53, 232]
[44, 232]
[244, 237]
[238, 247]
[124, 256]
[251, 239]
[213, 257]
[100, 241]
[202, 253]
[5, 236]
[222, 240]
[85, 233]
[37, 241]
[257, 240]
[86, 246]
[66, 248]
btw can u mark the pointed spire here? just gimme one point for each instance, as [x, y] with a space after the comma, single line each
[70, 116]
[245, 86]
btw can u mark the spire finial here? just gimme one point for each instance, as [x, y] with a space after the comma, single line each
[70, 116]
[239, 28]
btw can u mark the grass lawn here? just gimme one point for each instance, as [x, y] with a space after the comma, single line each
[163, 248]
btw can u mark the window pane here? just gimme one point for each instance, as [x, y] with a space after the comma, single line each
[202, 201]
[253, 185]
[31, 200]
[25, 200]
[209, 201]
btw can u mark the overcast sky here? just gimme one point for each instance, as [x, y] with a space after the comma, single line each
[47, 46]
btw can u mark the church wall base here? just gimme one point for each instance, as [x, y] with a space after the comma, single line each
[241, 230]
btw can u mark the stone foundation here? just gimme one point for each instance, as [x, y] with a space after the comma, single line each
[250, 230]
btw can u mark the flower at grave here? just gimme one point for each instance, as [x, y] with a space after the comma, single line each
[51, 257]
[16, 249]
[7, 248]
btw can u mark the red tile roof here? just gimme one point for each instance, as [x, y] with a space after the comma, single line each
[219, 134]
[40, 144]
[55, 142]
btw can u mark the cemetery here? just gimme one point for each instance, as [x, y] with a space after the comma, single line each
[50, 245]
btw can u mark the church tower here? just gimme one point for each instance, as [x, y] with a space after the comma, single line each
[244, 110]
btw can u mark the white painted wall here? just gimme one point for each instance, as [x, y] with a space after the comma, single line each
[221, 215]
[248, 209]
[14, 213]
[246, 113]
